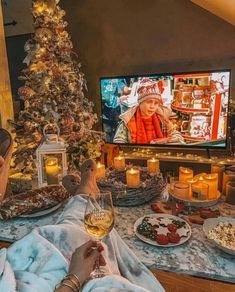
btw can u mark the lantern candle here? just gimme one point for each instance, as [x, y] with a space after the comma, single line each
[119, 163]
[153, 165]
[100, 171]
[212, 181]
[185, 173]
[133, 178]
[52, 170]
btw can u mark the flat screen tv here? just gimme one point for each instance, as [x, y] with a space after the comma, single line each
[174, 109]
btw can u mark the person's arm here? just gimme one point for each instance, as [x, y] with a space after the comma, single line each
[82, 264]
[122, 134]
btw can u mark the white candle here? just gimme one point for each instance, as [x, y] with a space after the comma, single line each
[212, 181]
[181, 190]
[100, 172]
[52, 170]
[153, 165]
[200, 190]
[190, 182]
[185, 173]
[200, 176]
[133, 178]
[119, 163]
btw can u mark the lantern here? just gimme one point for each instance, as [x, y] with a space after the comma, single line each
[51, 158]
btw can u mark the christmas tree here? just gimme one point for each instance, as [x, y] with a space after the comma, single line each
[53, 92]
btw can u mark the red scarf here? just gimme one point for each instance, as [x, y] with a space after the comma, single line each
[145, 130]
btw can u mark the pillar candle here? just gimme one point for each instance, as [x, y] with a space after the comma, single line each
[230, 192]
[218, 168]
[200, 176]
[153, 165]
[212, 181]
[200, 190]
[227, 176]
[190, 182]
[185, 173]
[181, 190]
[133, 178]
[52, 170]
[119, 163]
[100, 171]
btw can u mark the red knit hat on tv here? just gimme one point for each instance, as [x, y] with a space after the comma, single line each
[150, 89]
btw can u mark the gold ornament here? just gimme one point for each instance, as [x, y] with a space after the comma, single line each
[44, 6]
[43, 34]
[37, 67]
[25, 92]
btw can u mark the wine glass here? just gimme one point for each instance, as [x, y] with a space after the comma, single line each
[99, 221]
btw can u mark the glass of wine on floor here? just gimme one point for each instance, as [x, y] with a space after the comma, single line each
[99, 221]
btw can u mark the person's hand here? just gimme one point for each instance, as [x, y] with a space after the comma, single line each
[84, 259]
[123, 98]
[159, 141]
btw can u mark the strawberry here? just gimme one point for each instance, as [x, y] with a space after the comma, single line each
[171, 227]
[162, 239]
[173, 237]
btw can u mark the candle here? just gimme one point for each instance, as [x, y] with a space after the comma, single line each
[212, 181]
[200, 190]
[230, 192]
[133, 178]
[52, 170]
[200, 176]
[218, 168]
[100, 171]
[190, 182]
[153, 165]
[185, 173]
[227, 176]
[119, 163]
[181, 190]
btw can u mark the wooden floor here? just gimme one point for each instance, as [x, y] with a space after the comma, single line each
[178, 283]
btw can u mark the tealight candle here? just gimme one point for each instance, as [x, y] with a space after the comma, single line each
[52, 170]
[153, 165]
[100, 171]
[133, 178]
[218, 168]
[119, 163]
[212, 181]
[185, 173]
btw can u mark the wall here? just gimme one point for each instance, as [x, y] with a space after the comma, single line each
[134, 36]
[6, 107]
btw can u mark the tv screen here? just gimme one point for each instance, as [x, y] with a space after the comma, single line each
[176, 109]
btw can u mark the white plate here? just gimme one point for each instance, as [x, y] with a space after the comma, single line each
[212, 223]
[41, 212]
[167, 219]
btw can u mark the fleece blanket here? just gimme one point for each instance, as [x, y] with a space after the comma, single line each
[38, 261]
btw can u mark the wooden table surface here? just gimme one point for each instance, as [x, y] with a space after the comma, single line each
[173, 282]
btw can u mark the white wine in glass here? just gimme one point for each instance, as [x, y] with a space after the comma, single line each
[99, 220]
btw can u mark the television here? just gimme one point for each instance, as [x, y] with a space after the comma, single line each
[187, 109]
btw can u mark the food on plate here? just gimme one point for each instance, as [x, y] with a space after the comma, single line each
[163, 230]
[224, 235]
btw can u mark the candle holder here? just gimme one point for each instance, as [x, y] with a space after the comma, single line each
[149, 187]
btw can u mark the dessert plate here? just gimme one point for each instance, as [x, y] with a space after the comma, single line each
[159, 224]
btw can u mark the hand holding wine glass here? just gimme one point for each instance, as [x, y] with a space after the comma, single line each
[99, 220]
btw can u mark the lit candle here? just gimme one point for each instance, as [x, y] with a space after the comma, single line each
[190, 182]
[230, 192]
[200, 190]
[52, 170]
[119, 163]
[133, 178]
[212, 181]
[153, 165]
[185, 173]
[200, 176]
[218, 168]
[227, 176]
[181, 190]
[100, 171]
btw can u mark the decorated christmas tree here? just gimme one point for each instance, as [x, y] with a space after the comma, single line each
[53, 93]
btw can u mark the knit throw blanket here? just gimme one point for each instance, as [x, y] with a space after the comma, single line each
[39, 261]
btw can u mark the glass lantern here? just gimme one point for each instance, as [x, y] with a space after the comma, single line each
[51, 158]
